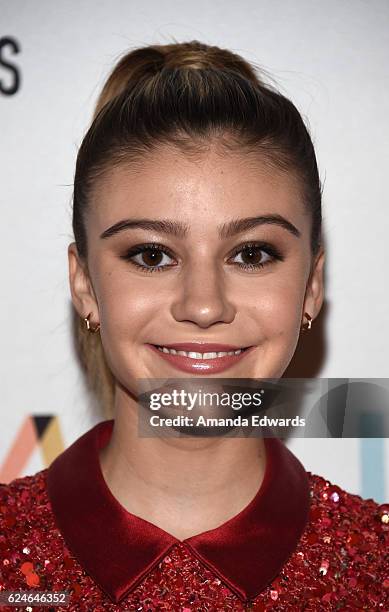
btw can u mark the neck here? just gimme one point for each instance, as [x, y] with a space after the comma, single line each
[183, 485]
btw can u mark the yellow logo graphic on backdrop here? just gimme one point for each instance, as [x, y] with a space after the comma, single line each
[37, 431]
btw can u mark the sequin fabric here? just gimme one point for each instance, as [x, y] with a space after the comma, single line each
[341, 562]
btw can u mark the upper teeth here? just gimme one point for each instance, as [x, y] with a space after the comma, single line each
[194, 355]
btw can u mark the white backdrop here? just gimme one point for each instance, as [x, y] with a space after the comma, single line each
[330, 58]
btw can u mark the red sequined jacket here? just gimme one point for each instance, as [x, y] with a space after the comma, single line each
[301, 544]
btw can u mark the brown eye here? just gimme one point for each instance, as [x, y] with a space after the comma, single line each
[252, 256]
[152, 257]
[149, 258]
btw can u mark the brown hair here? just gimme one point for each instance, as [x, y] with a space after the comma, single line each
[185, 94]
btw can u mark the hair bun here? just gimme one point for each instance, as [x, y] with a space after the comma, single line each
[196, 55]
[145, 62]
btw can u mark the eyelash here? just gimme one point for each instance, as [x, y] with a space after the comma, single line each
[155, 247]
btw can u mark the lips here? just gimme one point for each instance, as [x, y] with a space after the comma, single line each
[201, 366]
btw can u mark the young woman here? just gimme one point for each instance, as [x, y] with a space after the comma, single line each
[197, 223]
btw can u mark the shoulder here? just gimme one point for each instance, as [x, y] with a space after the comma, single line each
[26, 490]
[346, 543]
[330, 502]
[23, 505]
[29, 536]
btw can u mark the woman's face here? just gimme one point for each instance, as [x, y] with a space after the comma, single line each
[233, 266]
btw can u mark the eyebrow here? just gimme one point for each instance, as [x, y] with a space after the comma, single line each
[180, 230]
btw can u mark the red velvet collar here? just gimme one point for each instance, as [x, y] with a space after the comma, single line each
[117, 549]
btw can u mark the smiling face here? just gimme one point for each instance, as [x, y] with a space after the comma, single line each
[209, 277]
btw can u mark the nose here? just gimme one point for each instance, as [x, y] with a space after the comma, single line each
[202, 298]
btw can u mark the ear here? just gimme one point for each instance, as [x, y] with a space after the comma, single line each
[83, 296]
[314, 294]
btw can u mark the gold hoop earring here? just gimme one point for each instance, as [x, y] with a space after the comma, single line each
[88, 325]
[307, 326]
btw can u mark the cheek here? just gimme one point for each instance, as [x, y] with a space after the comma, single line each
[274, 319]
[274, 308]
[126, 306]
[126, 309]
